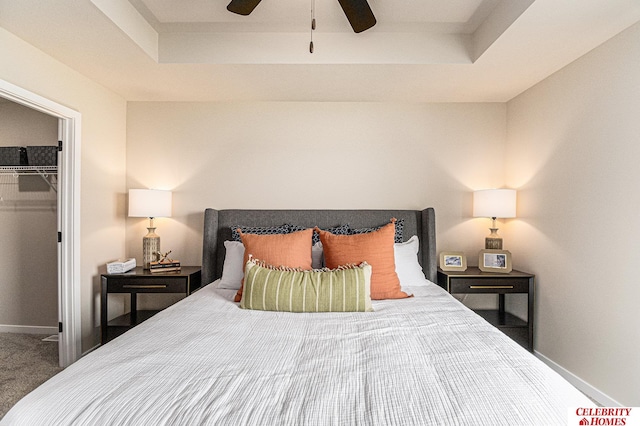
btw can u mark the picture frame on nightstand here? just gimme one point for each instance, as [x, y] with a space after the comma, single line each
[453, 261]
[492, 260]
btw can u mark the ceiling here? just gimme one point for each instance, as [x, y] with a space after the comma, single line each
[419, 51]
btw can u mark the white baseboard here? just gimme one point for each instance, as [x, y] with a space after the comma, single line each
[584, 387]
[28, 329]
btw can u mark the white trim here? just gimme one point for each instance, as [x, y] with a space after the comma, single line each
[132, 23]
[28, 329]
[70, 346]
[584, 387]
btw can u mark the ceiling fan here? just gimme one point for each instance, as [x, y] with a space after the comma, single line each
[357, 12]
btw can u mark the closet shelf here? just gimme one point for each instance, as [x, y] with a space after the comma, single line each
[28, 170]
[43, 171]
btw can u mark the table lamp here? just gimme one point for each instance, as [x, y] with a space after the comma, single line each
[494, 203]
[149, 203]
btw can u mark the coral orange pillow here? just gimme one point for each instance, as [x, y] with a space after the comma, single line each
[375, 248]
[291, 250]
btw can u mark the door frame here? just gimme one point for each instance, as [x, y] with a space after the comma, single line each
[69, 283]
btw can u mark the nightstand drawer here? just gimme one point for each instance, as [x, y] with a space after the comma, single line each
[148, 285]
[489, 285]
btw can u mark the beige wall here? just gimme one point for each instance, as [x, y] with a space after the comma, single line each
[573, 151]
[313, 155]
[28, 227]
[103, 143]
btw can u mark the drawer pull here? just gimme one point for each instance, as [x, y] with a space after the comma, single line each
[490, 286]
[145, 286]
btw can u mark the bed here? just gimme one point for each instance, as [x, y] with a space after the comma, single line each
[422, 360]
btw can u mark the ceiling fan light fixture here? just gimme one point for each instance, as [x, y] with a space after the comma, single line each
[358, 12]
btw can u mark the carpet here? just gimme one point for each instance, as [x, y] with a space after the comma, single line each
[25, 363]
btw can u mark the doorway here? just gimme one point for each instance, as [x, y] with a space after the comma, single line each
[68, 217]
[28, 221]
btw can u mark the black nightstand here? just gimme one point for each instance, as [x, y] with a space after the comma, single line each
[140, 280]
[474, 281]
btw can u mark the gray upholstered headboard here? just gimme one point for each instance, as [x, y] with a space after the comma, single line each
[217, 229]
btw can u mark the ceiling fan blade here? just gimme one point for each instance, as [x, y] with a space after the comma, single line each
[242, 7]
[359, 14]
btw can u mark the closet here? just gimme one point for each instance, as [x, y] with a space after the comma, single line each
[28, 220]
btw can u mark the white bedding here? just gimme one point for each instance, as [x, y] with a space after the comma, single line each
[426, 360]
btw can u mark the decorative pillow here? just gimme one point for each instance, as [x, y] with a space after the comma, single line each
[398, 237]
[290, 250]
[375, 248]
[338, 230]
[258, 230]
[407, 266]
[345, 289]
[232, 271]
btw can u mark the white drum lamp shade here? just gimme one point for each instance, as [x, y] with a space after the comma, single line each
[494, 203]
[150, 203]
[498, 203]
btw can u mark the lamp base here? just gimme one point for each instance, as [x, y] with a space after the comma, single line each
[493, 241]
[150, 248]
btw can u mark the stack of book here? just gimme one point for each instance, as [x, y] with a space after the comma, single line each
[166, 266]
[121, 266]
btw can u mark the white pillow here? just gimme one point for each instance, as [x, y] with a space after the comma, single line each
[407, 267]
[317, 256]
[233, 268]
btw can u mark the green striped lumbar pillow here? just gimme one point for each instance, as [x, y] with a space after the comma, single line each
[345, 289]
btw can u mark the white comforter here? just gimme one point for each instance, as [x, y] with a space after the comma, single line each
[426, 360]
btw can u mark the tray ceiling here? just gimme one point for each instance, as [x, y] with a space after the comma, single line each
[419, 51]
